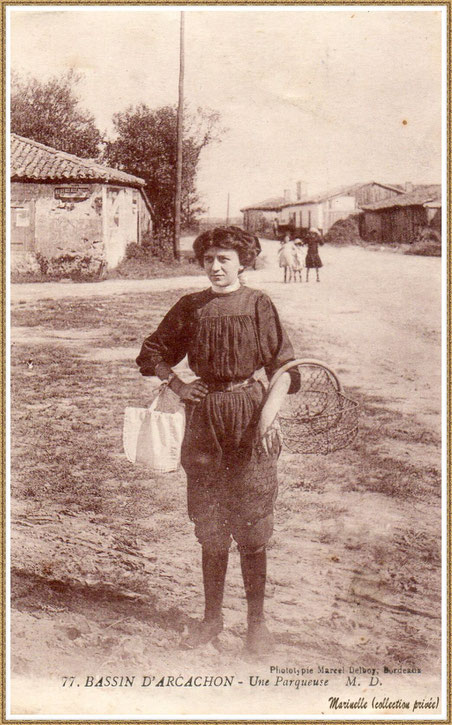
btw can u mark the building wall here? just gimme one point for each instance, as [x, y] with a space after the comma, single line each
[324, 214]
[56, 225]
[301, 215]
[144, 220]
[339, 207]
[392, 226]
[259, 220]
[370, 193]
[120, 206]
[321, 215]
[252, 219]
[76, 218]
[434, 218]
[370, 226]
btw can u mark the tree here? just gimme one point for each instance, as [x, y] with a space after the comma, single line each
[146, 146]
[49, 112]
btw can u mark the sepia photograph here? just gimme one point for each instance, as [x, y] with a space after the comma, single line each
[225, 362]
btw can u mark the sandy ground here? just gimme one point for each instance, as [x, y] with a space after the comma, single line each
[385, 308]
[354, 577]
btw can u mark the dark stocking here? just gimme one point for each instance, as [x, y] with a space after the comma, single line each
[254, 571]
[214, 565]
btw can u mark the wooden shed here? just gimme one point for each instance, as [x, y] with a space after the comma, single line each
[63, 205]
[399, 219]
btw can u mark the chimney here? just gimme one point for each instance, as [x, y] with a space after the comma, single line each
[302, 190]
[286, 195]
[408, 186]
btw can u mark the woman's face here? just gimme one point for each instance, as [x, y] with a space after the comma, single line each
[222, 266]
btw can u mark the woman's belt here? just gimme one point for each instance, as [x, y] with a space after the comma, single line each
[218, 386]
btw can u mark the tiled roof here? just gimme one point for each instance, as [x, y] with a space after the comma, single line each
[32, 161]
[418, 197]
[268, 205]
[338, 191]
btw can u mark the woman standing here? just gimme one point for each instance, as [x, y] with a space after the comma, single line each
[313, 261]
[232, 442]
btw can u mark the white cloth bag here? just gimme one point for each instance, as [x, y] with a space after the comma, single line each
[153, 436]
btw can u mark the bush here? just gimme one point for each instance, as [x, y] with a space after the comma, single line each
[73, 265]
[159, 245]
[136, 251]
[344, 231]
[425, 249]
[26, 265]
[427, 243]
[162, 244]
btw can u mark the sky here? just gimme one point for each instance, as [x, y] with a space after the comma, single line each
[324, 95]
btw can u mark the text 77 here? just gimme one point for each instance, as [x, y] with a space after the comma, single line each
[68, 681]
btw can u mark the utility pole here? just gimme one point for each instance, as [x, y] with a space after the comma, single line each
[227, 210]
[180, 133]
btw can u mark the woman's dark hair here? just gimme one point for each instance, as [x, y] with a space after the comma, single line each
[245, 244]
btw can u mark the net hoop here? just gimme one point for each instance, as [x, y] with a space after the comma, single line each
[319, 418]
[305, 361]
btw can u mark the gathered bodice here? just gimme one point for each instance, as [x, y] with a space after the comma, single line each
[227, 337]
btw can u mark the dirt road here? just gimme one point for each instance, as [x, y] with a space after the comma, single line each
[376, 315]
[105, 569]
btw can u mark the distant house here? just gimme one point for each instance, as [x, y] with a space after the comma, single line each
[263, 216]
[62, 204]
[398, 219]
[323, 209]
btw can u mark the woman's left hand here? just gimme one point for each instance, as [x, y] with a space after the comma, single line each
[269, 430]
[270, 436]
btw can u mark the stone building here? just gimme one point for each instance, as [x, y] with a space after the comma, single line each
[62, 205]
[264, 216]
[322, 210]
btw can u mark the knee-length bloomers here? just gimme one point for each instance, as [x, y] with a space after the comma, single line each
[232, 485]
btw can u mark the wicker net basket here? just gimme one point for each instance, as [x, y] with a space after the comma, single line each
[319, 418]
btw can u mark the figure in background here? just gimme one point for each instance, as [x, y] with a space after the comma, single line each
[298, 261]
[286, 254]
[313, 261]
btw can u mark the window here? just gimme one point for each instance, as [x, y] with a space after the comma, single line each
[21, 216]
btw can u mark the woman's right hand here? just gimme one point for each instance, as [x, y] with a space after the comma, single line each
[191, 392]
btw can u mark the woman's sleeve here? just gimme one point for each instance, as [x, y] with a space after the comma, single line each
[276, 348]
[168, 343]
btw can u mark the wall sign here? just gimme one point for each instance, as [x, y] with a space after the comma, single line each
[72, 193]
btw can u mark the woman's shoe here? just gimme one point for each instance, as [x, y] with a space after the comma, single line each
[201, 633]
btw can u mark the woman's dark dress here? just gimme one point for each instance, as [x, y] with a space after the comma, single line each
[227, 337]
[313, 260]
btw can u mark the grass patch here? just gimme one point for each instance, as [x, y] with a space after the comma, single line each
[144, 267]
[149, 267]
[84, 402]
[115, 545]
[131, 317]
[425, 248]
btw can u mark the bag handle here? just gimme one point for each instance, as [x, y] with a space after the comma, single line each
[156, 392]
[304, 361]
[166, 400]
